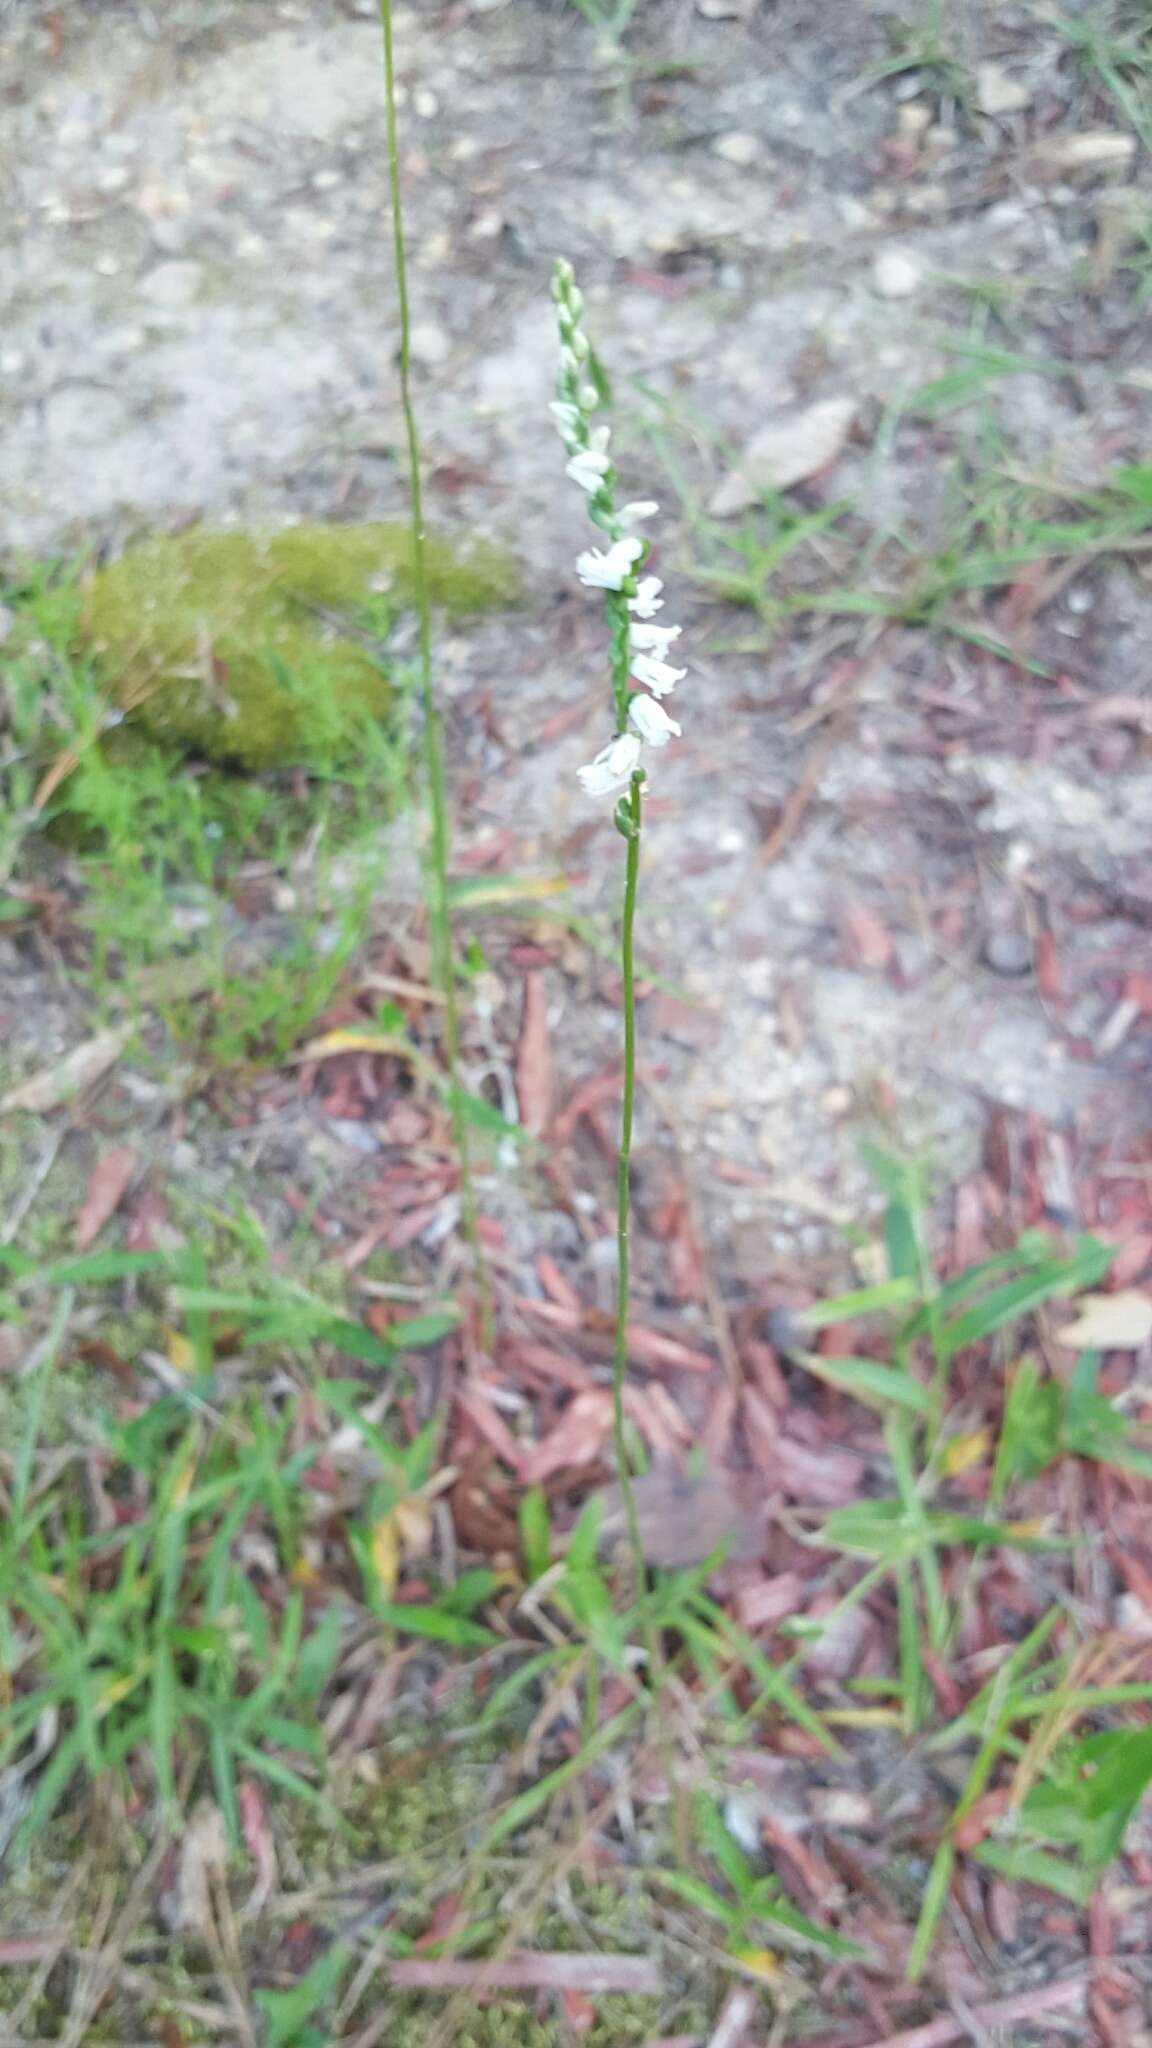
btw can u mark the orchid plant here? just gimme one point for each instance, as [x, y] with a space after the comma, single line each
[641, 676]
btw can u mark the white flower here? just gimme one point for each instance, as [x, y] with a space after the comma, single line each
[652, 721]
[569, 419]
[589, 397]
[613, 766]
[647, 601]
[600, 571]
[588, 468]
[568, 361]
[641, 508]
[656, 675]
[652, 639]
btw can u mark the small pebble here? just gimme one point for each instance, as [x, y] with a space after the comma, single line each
[738, 148]
[997, 93]
[429, 344]
[835, 1809]
[1008, 952]
[357, 1136]
[896, 274]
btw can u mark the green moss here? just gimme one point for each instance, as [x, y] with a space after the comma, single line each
[236, 646]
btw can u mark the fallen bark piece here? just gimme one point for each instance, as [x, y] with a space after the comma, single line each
[598, 1974]
[999, 2012]
[785, 452]
[109, 1183]
[534, 1058]
[77, 1070]
[1110, 1322]
[1091, 154]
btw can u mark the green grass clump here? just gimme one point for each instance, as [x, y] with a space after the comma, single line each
[264, 651]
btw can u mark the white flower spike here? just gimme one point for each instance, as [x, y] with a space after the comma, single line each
[613, 766]
[647, 601]
[657, 676]
[652, 721]
[639, 651]
[606, 571]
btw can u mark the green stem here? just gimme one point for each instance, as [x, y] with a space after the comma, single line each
[439, 912]
[632, 813]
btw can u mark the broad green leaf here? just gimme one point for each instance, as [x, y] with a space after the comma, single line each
[869, 1380]
[696, 1893]
[484, 1116]
[99, 1266]
[1048, 1280]
[779, 1913]
[1025, 1865]
[434, 1623]
[724, 1850]
[287, 2013]
[860, 1301]
[318, 1654]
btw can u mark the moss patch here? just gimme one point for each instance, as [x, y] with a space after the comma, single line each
[242, 647]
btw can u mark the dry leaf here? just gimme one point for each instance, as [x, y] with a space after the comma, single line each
[770, 1601]
[997, 92]
[258, 1842]
[76, 1071]
[784, 453]
[1110, 1322]
[203, 1863]
[736, 2017]
[1095, 152]
[109, 1183]
[577, 1439]
[826, 1478]
[963, 1451]
[597, 1974]
[385, 1553]
[682, 1519]
[866, 939]
[653, 1349]
[534, 1058]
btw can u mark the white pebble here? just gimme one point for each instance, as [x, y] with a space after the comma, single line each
[896, 274]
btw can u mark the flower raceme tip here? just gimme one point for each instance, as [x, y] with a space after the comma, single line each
[638, 650]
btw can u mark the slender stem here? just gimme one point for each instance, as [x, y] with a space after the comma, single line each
[439, 912]
[633, 812]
